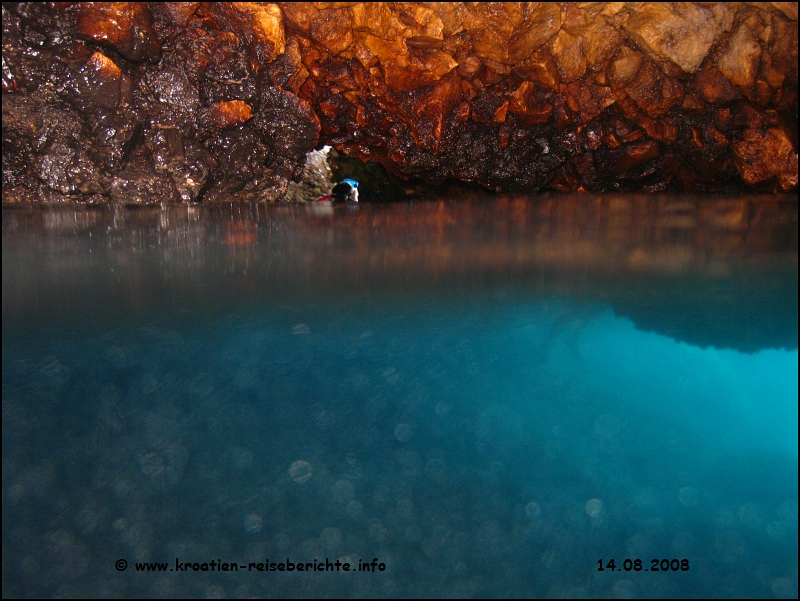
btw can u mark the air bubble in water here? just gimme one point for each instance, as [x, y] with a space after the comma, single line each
[253, 522]
[533, 510]
[343, 491]
[300, 471]
[354, 509]
[402, 432]
[594, 508]
[300, 329]
[152, 464]
[688, 496]
[330, 538]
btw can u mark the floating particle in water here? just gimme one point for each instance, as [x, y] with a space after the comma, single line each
[533, 510]
[202, 385]
[554, 449]
[787, 512]
[281, 542]
[300, 471]
[730, 546]
[726, 518]
[688, 496]
[300, 329]
[121, 487]
[54, 371]
[354, 509]
[118, 357]
[638, 545]
[594, 508]
[751, 516]
[215, 591]
[646, 499]
[253, 523]
[498, 429]
[778, 530]
[152, 464]
[608, 426]
[413, 533]
[86, 521]
[405, 508]
[138, 537]
[245, 379]
[436, 469]
[624, 589]
[442, 409]
[242, 459]
[410, 461]
[377, 531]
[402, 432]
[14, 493]
[330, 538]
[683, 544]
[391, 375]
[322, 418]
[784, 588]
[359, 379]
[343, 491]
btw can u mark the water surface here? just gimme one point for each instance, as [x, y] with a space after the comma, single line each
[490, 398]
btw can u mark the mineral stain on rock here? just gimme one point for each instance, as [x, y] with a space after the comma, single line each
[184, 102]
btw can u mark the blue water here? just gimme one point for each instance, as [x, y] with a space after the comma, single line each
[273, 392]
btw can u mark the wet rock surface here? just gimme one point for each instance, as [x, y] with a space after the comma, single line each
[181, 102]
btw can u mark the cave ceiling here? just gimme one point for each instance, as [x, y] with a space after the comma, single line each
[154, 102]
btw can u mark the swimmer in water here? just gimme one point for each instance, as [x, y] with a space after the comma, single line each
[345, 191]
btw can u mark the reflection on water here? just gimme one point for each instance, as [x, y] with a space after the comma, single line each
[489, 398]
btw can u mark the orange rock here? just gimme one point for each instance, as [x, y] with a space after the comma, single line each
[567, 51]
[600, 42]
[682, 38]
[589, 100]
[653, 91]
[260, 23]
[424, 67]
[104, 78]
[331, 28]
[177, 13]
[433, 109]
[715, 87]
[509, 32]
[765, 154]
[124, 26]
[636, 154]
[528, 105]
[509, 95]
[740, 61]
[540, 68]
[230, 113]
[625, 67]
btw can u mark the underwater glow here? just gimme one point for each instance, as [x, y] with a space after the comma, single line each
[502, 439]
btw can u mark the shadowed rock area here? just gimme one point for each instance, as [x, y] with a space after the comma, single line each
[183, 102]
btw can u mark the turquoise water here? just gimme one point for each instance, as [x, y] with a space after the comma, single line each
[489, 399]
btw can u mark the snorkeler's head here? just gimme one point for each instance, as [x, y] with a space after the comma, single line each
[352, 182]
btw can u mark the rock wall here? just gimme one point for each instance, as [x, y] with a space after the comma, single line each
[144, 102]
